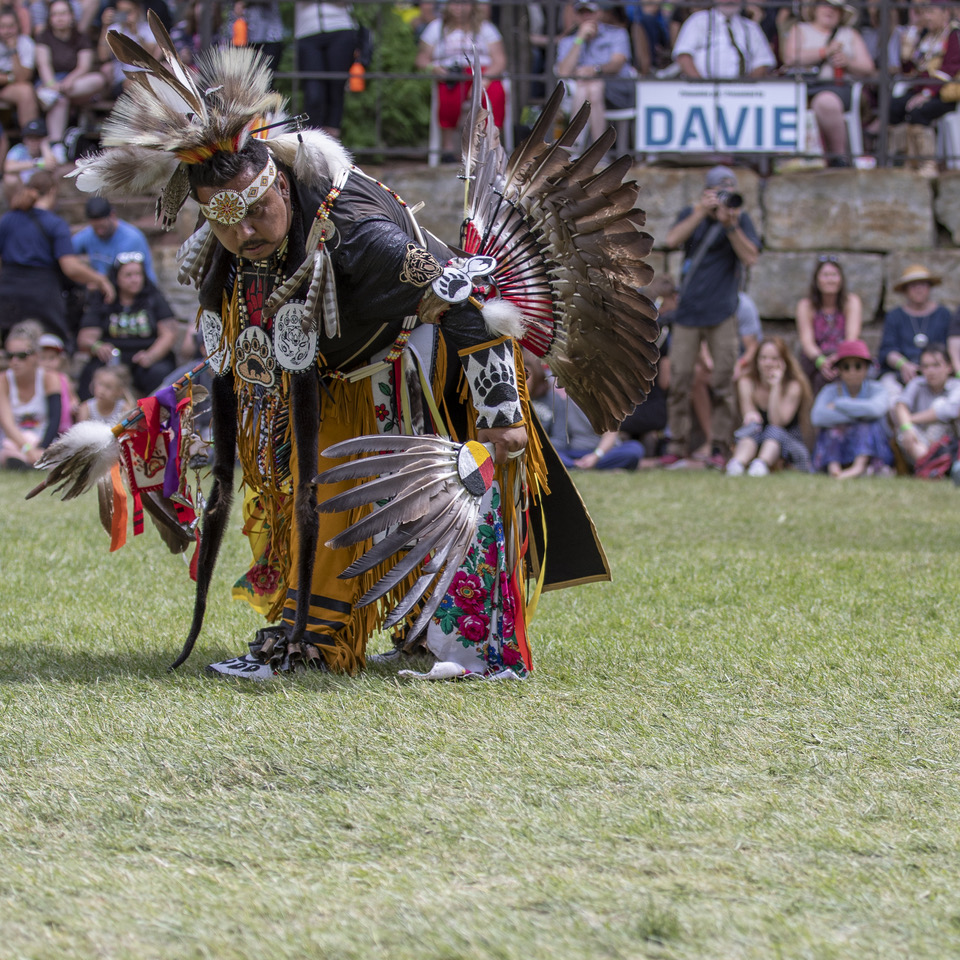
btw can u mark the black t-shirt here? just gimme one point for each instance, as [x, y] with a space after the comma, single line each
[63, 53]
[130, 329]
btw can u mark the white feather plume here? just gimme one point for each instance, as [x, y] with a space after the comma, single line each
[504, 319]
[78, 458]
[312, 155]
[125, 170]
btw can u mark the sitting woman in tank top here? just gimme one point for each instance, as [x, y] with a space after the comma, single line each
[775, 400]
[29, 401]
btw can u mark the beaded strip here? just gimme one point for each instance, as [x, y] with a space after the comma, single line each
[329, 200]
[393, 194]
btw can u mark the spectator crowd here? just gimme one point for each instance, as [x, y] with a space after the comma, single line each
[86, 328]
[58, 74]
[730, 398]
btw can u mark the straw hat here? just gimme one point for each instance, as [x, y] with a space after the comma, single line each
[912, 274]
[848, 13]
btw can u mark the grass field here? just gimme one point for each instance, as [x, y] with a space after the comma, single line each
[746, 746]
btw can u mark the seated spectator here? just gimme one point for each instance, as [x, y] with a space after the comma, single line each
[596, 58]
[831, 52]
[929, 405]
[447, 51]
[720, 44]
[932, 55]
[34, 248]
[24, 159]
[650, 34]
[569, 430]
[53, 357]
[17, 62]
[110, 400]
[910, 328]
[29, 401]
[870, 30]
[106, 236]
[137, 329]
[750, 332]
[66, 70]
[850, 414]
[828, 315]
[775, 401]
[129, 18]
[648, 422]
[185, 33]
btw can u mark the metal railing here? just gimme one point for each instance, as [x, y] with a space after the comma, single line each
[515, 17]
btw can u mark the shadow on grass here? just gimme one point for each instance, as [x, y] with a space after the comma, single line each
[41, 663]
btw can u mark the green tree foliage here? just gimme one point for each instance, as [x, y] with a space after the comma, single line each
[404, 105]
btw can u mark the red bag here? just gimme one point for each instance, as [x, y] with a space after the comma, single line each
[938, 460]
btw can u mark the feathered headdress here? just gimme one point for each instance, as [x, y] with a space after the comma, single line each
[171, 117]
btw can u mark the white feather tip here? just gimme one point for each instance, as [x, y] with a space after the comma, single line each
[504, 318]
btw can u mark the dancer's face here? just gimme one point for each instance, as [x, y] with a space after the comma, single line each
[259, 234]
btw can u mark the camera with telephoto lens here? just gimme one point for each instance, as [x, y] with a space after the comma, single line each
[731, 200]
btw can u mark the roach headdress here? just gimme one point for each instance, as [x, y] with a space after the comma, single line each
[171, 117]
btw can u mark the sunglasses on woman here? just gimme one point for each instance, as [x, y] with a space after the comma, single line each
[21, 354]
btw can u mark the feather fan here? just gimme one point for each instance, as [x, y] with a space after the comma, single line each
[566, 235]
[426, 494]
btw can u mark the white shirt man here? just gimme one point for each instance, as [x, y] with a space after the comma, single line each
[719, 44]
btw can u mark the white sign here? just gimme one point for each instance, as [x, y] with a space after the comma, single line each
[691, 117]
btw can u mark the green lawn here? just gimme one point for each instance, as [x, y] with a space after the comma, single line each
[746, 746]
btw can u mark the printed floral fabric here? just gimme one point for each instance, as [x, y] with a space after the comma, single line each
[474, 624]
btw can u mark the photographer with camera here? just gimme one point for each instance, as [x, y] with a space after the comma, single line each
[719, 240]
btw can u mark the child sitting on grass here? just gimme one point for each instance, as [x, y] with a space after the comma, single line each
[850, 414]
[110, 399]
[928, 406]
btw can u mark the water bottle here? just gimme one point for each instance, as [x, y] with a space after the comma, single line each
[239, 37]
[358, 79]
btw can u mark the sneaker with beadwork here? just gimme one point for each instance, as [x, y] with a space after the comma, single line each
[247, 667]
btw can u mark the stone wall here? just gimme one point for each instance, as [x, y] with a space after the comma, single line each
[876, 221]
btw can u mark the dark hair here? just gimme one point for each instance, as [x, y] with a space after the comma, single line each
[140, 299]
[816, 298]
[27, 194]
[222, 167]
[937, 348]
[69, 6]
[11, 12]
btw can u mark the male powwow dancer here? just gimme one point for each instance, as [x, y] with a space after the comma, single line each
[335, 327]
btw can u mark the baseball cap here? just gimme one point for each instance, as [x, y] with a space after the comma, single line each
[717, 176]
[34, 128]
[98, 207]
[50, 340]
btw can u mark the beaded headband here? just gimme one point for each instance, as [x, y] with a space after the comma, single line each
[230, 206]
